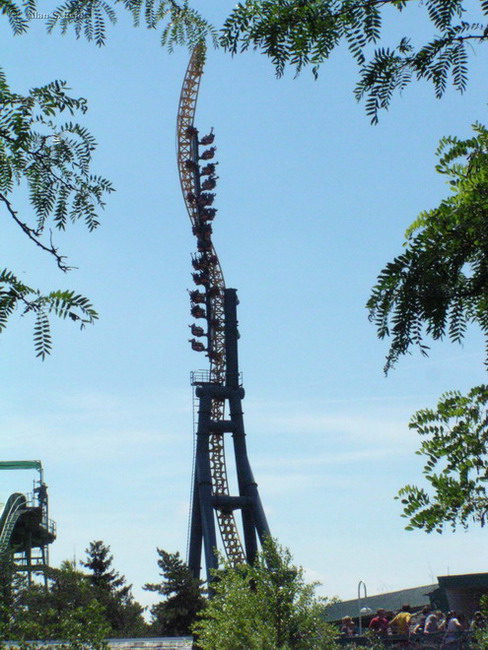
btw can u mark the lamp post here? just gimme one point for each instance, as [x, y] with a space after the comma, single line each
[361, 583]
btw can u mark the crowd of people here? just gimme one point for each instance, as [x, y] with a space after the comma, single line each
[449, 629]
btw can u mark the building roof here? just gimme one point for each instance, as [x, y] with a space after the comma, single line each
[469, 580]
[391, 601]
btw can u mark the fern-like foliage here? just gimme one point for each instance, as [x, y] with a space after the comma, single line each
[439, 284]
[51, 156]
[297, 33]
[17, 14]
[301, 33]
[87, 17]
[180, 23]
[52, 159]
[455, 448]
[435, 289]
[15, 296]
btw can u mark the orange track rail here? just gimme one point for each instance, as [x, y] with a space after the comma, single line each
[186, 114]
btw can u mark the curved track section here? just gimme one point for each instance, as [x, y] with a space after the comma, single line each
[196, 178]
[9, 515]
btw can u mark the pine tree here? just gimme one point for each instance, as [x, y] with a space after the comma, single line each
[99, 562]
[123, 613]
[183, 597]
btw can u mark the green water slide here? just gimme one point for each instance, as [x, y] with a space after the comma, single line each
[10, 513]
[21, 464]
[25, 528]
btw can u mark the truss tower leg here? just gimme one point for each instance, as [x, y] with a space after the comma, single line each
[207, 503]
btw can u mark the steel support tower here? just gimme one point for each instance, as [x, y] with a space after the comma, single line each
[219, 389]
[206, 502]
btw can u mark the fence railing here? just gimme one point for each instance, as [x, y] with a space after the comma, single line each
[159, 643]
[418, 641]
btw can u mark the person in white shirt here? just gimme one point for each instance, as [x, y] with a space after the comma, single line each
[454, 630]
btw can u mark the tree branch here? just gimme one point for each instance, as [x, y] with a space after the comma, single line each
[33, 236]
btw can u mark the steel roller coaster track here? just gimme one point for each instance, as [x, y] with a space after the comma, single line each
[208, 274]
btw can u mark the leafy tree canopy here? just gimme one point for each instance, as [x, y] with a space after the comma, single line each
[50, 159]
[66, 610]
[302, 33]
[436, 288]
[7, 592]
[439, 284]
[266, 606]
[456, 467]
[83, 609]
[183, 597]
[180, 24]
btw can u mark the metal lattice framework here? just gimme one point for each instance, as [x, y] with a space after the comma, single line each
[209, 274]
[25, 528]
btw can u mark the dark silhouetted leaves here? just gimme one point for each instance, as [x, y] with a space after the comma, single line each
[301, 33]
[439, 283]
[455, 445]
[51, 159]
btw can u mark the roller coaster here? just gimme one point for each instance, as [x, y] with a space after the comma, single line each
[25, 528]
[215, 306]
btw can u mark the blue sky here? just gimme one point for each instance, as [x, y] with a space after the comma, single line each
[313, 201]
